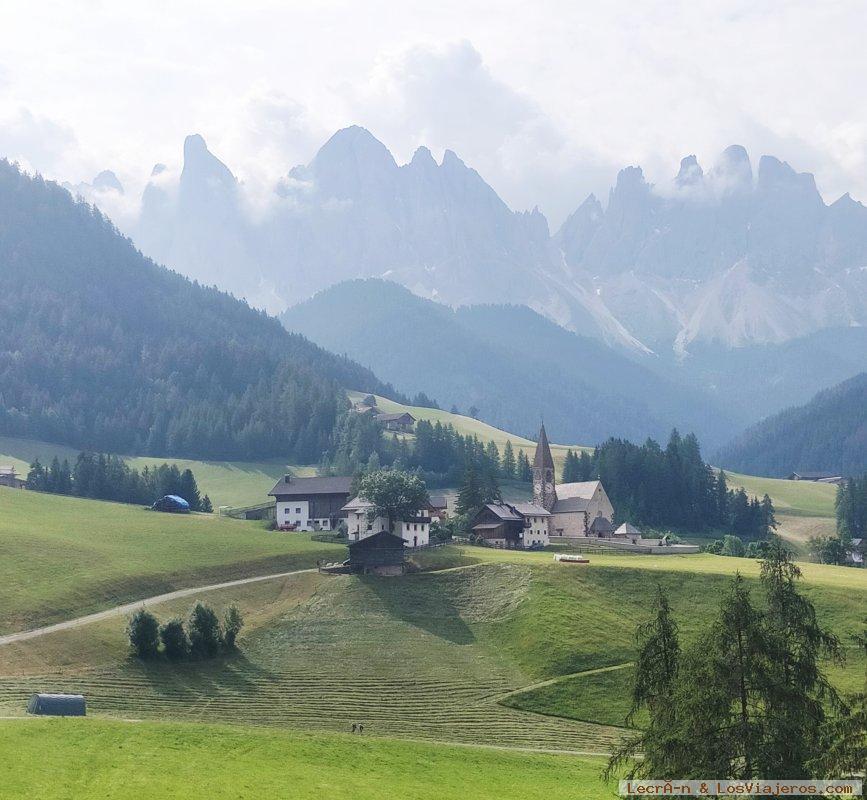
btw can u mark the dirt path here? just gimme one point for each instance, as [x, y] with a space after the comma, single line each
[550, 681]
[127, 608]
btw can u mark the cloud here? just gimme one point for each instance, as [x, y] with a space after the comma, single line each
[38, 142]
[444, 96]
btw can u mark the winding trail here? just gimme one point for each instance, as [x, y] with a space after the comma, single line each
[78, 622]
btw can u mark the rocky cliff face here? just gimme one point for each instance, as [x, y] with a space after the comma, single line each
[722, 257]
[726, 256]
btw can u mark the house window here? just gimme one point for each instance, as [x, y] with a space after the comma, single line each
[298, 510]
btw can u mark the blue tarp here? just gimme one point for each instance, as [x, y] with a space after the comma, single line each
[171, 502]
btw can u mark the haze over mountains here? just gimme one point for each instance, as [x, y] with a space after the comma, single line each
[734, 256]
[508, 361]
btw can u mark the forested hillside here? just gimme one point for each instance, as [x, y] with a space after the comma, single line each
[509, 362]
[100, 348]
[827, 434]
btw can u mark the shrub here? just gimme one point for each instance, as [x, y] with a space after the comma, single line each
[206, 635]
[732, 546]
[176, 643]
[233, 621]
[143, 633]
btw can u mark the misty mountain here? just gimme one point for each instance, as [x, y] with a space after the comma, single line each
[724, 257]
[732, 256]
[100, 348]
[513, 364]
[827, 434]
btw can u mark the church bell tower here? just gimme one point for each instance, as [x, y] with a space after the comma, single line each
[544, 490]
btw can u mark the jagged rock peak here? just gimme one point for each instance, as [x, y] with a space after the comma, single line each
[776, 174]
[451, 160]
[422, 158]
[690, 172]
[733, 166]
[108, 180]
[357, 143]
[158, 169]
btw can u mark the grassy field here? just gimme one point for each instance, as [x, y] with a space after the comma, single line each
[792, 498]
[470, 427]
[62, 557]
[505, 651]
[227, 483]
[89, 759]
[804, 509]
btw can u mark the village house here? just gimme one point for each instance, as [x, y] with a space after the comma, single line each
[517, 526]
[817, 477]
[381, 553]
[573, 507]
[400, 423]
[9, 477]
[414, 530]
[310, 504]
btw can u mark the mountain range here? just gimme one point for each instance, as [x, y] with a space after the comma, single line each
[738, 284]
[509, 362]
[732, 256]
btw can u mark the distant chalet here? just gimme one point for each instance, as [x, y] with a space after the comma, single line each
[401, 423]
[9, 477]
[310, 504]
[817, 477]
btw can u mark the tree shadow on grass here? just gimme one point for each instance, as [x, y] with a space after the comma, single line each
[194, 680]
[421, 602]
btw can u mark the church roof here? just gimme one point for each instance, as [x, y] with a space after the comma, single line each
[601, 525]
[530, 510]
[565, 505]
[628, 530]
[583, 489]
[543, 456]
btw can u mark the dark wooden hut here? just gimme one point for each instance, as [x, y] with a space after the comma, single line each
[379, 554]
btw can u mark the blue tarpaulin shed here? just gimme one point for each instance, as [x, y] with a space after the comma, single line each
[172, 503]
[57, 705]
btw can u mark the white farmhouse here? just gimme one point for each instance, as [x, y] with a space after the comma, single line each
[414, 530]
[310, 504]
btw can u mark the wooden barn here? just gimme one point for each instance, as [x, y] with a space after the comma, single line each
[380, 554]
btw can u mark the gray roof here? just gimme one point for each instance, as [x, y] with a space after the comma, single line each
[505, 512]
[585, 489]
[570, 504]
[601, 525]
[438, 501]
[300, 487]
[531, 510]
[542, 457]
[394, 417]
[357, 504]
[628, 530]
[815, 476]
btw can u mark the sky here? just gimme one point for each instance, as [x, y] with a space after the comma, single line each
[547, 100]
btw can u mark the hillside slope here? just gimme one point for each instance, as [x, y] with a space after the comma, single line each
[827, 434]
[511, 363]
[100, 348]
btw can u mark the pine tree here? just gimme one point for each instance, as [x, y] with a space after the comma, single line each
[656, 669]
[508, 464]
[525, 471]
[470, 497]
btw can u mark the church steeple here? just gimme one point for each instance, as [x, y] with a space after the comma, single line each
[544, 490]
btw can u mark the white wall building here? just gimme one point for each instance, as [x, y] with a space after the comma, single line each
[415, 530]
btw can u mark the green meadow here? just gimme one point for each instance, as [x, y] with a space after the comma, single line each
[227, 483]
[62, 557]
[90, 759]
